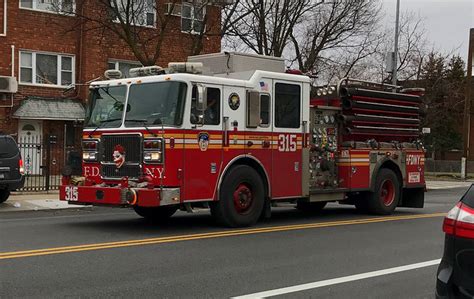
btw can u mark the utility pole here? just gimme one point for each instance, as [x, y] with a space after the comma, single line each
[395, 50]
[468, 136]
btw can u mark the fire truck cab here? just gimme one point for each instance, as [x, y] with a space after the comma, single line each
[235, 132]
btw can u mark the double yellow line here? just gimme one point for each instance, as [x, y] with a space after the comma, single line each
[219, 234]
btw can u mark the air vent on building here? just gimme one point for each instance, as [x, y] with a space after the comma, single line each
[8, 84]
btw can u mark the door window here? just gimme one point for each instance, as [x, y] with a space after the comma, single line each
[212, 114]
[287, 105]
[264, 110]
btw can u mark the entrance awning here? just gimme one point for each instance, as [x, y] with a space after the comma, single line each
[50, 109]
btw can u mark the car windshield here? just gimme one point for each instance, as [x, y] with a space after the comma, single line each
[105, 107]
[468, 198]
[158, 103]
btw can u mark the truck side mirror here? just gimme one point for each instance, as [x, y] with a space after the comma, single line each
[253, 109]
[201, 103]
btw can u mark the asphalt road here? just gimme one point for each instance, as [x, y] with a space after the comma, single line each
[108, 252]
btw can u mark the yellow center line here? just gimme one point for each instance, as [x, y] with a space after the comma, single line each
[219, 234]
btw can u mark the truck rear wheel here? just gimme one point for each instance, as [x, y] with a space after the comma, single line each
[156, 213]
[4, 194]
[241, 198]
[386, 195]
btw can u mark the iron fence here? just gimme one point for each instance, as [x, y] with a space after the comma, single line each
[43, 160]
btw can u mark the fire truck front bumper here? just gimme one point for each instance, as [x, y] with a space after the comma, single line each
[119, 196]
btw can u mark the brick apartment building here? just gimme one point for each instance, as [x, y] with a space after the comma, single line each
[47, 51]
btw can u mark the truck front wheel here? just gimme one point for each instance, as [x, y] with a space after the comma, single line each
[156, 213]
[241, 198]
[386, 195]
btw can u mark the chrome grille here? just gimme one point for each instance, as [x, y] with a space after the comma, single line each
[132, 143]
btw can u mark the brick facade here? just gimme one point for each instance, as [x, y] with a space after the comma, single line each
[92, 48]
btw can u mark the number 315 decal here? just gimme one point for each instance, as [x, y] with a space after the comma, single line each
[71, 193]
[287, 143]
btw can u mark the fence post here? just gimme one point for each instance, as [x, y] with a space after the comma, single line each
[48, 161]
[463, 168]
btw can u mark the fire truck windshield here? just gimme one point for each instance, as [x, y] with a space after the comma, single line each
[156, 103]
[105, 107]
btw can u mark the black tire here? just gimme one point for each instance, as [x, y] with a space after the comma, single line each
[360, 201]
[386, 195]
[311, 207]
[4, 194]
[241, 198]
[156, 213]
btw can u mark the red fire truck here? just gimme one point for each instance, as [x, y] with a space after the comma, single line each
[237, 133]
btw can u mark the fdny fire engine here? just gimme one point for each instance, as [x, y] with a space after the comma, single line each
[238, 134]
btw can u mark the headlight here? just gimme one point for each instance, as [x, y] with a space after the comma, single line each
[89, 156]
[152, 157]
[90, 149]
[153, 150]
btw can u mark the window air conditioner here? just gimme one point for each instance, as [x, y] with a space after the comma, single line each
[8, 84]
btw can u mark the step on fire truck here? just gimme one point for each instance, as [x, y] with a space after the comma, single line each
[237, 133]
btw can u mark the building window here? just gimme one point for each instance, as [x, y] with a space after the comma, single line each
[135, 12]
[192, 16]
[287, 105]
[57, 6]
[46, 69]
[123, 66]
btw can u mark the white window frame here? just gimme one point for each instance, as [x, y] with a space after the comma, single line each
[59, 69]
[176, 9]
[61, 12]
[178, 12]
[153, 10]
[193, 19]
[117, 63]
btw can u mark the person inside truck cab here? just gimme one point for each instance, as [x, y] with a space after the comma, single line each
[211, 114]
[212, 111]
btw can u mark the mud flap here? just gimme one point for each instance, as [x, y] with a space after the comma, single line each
[412, 198]
[267, 209]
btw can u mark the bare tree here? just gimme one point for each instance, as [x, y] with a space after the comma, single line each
[337, 35]
[143, 25]
[412, 48]
[265, 26]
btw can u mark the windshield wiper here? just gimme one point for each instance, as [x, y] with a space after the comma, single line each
[101, 123]
[143, 122]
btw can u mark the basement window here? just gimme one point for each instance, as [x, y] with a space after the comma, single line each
[55, 6]
[46, 69]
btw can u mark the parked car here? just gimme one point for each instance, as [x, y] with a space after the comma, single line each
[11, 167]
[456, 270]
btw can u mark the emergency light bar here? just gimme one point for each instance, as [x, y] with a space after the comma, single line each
[185, 67]
[113, 74]
[146, 71]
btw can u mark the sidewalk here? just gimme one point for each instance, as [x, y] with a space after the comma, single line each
[50, 201]
[36, 201]
[436, 185]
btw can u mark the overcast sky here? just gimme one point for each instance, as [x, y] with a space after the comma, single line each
[447, 22]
